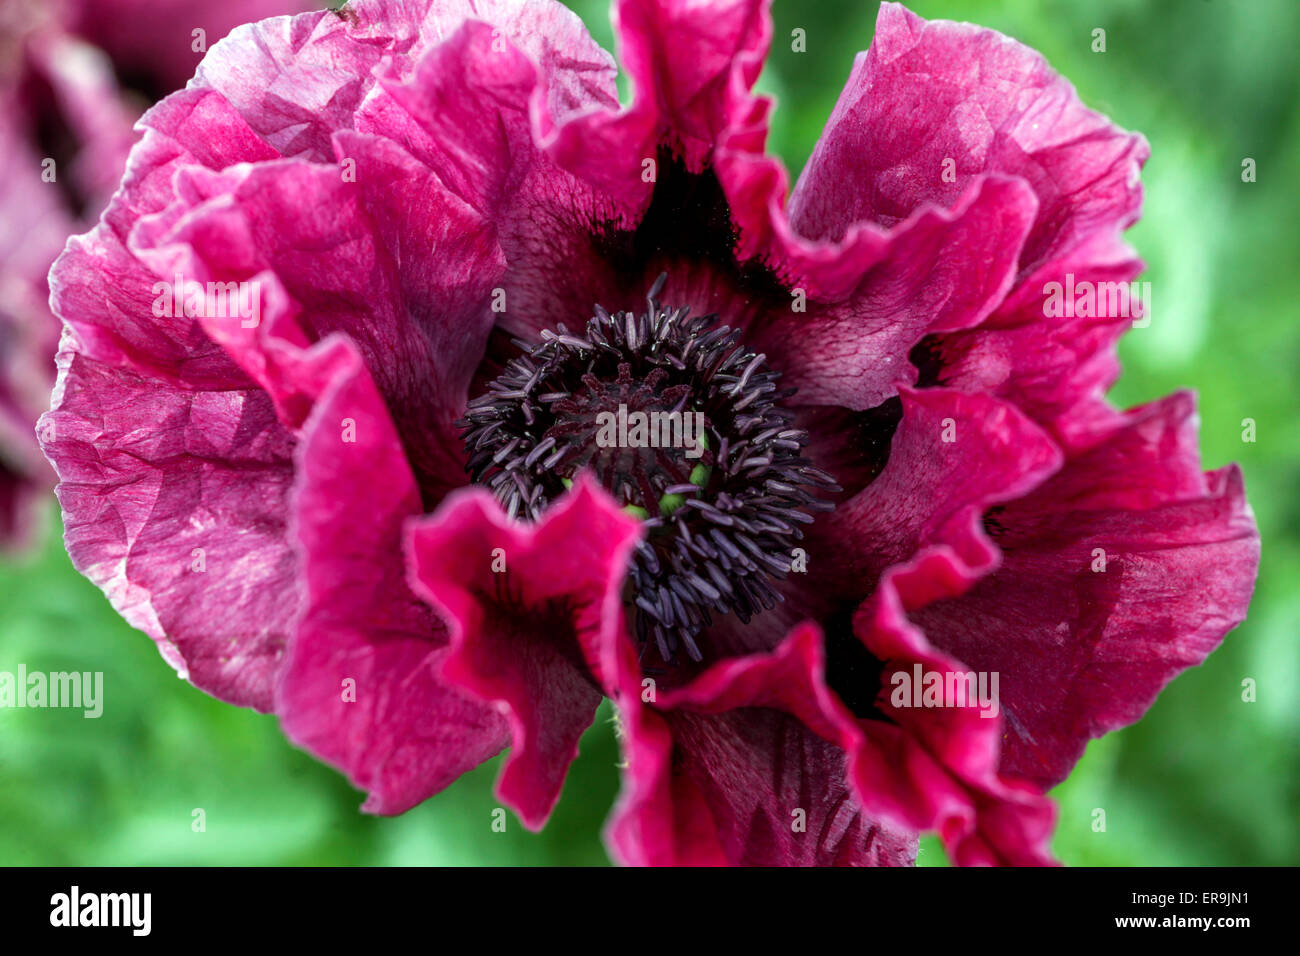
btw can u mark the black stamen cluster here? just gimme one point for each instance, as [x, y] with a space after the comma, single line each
[720, 527]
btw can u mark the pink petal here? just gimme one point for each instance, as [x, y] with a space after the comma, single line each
[940, 270]
[937, 767]
[1056, 369]
[1084, 651]
[153, 479]
[695, 64]
[164, 445]
[932, 492]
[930, 91]
[745, 765]
[114, 320]
[415, 315]
[539, 214]
[528, 609]
[361, 686]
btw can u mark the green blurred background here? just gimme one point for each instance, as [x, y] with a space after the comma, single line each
[1205, 778]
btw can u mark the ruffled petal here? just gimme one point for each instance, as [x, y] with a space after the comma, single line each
[941, 270]
[1118, 573]
[936, 766]
[1054, 367]
[953, 456]
[929, 92]
[540, 214]
[694, 65]
[415, 314]
[528, 609]
[152, 481]
[115, 320]
[362, 686]
[746, 765]
[935, 106]
[164, 445]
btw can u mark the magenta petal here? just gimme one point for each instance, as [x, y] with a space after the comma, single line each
[540, 214]
[764, 777]
[163, 445]
[695, 63]
[1056, 369]
[940, 270]
[298, 80]
[938, 767]
[413, 306]
[528, 609]
[746, 765]
[953, 456]
[152, 480]
[526, 67]
[928, 92]
[362, 685]
[114, 320]
[692, 67]
[1084, 647]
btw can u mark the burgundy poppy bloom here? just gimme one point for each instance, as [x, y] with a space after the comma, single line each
[405, 496]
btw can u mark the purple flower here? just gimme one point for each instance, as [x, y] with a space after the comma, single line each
[364, 260]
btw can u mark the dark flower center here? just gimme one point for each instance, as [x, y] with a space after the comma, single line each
[684, 427]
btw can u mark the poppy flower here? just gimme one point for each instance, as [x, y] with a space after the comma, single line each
[415, 390]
